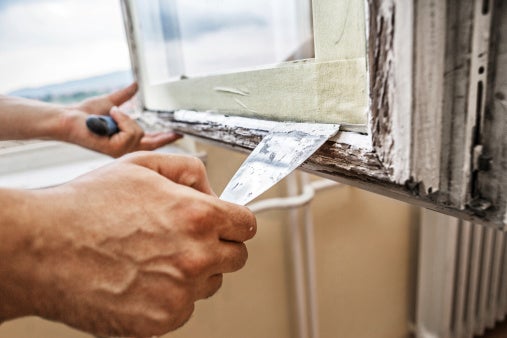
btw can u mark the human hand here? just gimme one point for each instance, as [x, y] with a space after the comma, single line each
[126, 250]
[131, 136]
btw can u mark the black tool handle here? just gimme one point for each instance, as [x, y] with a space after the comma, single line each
[102, 125]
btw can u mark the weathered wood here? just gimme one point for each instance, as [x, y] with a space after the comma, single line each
[348, 158]
[454, 180]
[390, 39]
[492, 177]
[348, 152]
[380, 54]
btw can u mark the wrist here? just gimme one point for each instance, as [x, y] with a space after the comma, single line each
[25, 223]
[66, 118]
[14, 219]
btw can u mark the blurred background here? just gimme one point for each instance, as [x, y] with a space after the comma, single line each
[346, 265]
[62, 50]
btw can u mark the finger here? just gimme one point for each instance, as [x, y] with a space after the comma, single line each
[101, 105]
[125, 123]
[232, 257]
[154, 141]
[123, 95]
[182, 318]
[241, 224]
[209, 287]
[181, 169]
[130, 133]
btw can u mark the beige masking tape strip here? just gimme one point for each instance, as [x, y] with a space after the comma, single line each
[303, 91]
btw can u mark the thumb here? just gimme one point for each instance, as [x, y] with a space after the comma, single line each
[123, 95]
[124, 122]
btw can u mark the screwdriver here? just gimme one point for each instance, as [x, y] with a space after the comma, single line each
[102, 125]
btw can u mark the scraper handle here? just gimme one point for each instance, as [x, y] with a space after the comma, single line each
[102, 125]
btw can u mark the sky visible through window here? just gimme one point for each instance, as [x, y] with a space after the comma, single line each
[46, 42]
[52, 41]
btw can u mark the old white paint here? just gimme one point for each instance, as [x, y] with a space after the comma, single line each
[401, 91]
[429, 91]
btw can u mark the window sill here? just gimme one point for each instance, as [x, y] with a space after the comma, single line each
[46, 164]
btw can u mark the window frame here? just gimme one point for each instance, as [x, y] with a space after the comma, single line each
[421, 141]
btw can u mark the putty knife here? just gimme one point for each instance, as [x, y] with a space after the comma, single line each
[281, 152]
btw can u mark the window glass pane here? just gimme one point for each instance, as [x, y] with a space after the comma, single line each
[194, 37]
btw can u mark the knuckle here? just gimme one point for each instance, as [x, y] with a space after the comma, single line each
[199, 217]
[166, 320]
[170, 314]
[195, 171]
[159, 325]
[183, 317]
[146, 324]
[214, 285]
[196, 265]
[181, 298]
[197, 165]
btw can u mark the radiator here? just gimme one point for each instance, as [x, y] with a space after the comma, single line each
[462, 278]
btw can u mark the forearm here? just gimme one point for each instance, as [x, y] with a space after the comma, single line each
[16, 240]
[26, 119]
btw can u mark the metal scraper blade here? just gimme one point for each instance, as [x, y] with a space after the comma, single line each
[281, 152]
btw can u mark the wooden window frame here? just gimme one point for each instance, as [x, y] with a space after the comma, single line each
[432, 136]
